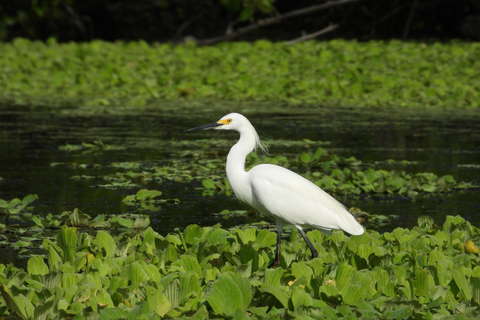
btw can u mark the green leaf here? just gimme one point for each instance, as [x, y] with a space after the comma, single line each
[38, 222]
[320, 153]
[244, 285]
[137, 274]
[462, 284]
[122, 222]
[104, 241]
[19, 303]
[36, 266]
[475, 285]
[305, 158]
[113, 314]
[157, 301]
[189, 285]
[421, 283]
[300, 298]
[190, 263]
[400, 313]
[76, 307]
[273, 276]
[224, 296]
[79, 219]
[300, 269]
[144, 194]
[343, 277]
[208, 183]
[46, 310]
[355, 292]
[278, 293]
[172, 292]
[104, 299]
[217, 236]
[192, 232]
[265, 238]
[425, 222]
[141, 223]
[29, 199]
[67, 241]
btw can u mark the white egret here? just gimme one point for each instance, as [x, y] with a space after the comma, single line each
[277, 192]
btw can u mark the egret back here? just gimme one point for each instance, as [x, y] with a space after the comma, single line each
[292, 199]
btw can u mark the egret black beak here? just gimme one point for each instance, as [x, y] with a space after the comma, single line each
[207, 126]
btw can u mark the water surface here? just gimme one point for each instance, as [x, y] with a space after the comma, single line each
[445, 142]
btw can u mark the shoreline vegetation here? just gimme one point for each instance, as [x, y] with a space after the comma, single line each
[428, 272]
[329, 73]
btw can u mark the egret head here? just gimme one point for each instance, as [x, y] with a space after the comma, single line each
[236, 122]
[232, 121]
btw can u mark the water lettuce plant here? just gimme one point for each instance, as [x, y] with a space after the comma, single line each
[15, 209]
[427, 272]
[17, 206]
[336, 72]
[83, 221]
[146, 200]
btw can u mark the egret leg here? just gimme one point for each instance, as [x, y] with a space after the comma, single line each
[310, 245]
[276, 262]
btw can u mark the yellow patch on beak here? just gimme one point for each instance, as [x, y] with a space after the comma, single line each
[225, 121]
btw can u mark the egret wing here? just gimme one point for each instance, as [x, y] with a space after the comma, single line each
[287, 196]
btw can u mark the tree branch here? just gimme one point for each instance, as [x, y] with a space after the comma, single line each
[78, 21]
[409, 19]
[313, 35]
[184, 25]
[269, 21]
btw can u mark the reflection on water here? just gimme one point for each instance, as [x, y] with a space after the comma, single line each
[442, 143]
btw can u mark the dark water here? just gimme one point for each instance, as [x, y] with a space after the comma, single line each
[446, 142]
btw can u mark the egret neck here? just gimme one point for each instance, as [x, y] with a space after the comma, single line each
[236, 174]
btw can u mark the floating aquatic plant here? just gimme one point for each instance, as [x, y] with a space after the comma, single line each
[430, 271]
[96, 147]
[331, 172]
[17, 206]
[347, 176]
[146, 200]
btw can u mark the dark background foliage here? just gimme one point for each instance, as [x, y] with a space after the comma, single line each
[173, 20]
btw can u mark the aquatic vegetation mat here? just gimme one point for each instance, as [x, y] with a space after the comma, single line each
[205, 163]
[334, 73]
[430, 271]
[25, 232]
[96, 147]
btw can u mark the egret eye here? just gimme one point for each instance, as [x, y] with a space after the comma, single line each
[225, 121]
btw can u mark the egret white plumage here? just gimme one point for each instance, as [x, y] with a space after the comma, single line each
[278, 192]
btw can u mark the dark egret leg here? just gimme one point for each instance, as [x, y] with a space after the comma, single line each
[276, 261]
[310, 245]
